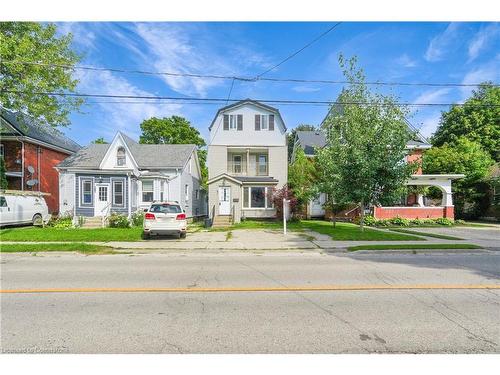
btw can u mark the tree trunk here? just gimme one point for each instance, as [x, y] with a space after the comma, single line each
[362, 221]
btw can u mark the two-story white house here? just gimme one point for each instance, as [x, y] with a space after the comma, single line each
[247, 159]
[125, 176]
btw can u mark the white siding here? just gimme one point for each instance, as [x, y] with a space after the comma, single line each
[248, 136]
[66, 193]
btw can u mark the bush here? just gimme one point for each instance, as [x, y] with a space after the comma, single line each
[61, 222]
[118, 221]
[400, 222]
[460, 222]
[444, 221]
[137, 218]
[369, 220]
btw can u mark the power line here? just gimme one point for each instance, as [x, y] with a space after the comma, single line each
[300, 50]
[245, 79]
[276, 101]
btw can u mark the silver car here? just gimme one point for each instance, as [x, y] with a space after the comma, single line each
[165, 218]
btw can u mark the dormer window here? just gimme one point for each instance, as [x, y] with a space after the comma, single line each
[120, 157]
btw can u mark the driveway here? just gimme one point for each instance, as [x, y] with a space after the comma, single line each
[484, 236]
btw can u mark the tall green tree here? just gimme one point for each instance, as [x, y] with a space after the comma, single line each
[365, 145]
[290, 137]
[22, 84]
[3, 177]
[478, 120]
[302, 177]
[100, 141]
[466, 157]
[174, 130]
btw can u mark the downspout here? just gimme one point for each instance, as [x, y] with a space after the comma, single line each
[22, 165]
[38, 152]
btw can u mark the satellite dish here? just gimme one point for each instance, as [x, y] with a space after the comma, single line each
[31, 169]
[32, 182]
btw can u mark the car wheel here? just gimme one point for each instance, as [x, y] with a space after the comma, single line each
[145, 236]
[37, 220]
[178, 235]
[183, 235]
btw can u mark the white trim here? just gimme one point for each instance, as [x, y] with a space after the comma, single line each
[108, 151]
[80, 192]
[113, 180]
[250, 198]
[224, 175]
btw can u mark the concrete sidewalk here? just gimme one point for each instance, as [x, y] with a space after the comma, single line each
[266, 239]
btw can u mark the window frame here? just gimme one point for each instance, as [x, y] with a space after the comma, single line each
[114, 182]
[83, 181]
[186, 192]
[122, 158]
[247, 198]
[152, 191]
[240, 163]
[2, 150]
[259, 164]
[264, 119]
[233, 120]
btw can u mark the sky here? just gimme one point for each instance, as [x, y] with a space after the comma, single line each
[418, 52]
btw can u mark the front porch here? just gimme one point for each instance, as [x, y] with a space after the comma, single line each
[418, 209]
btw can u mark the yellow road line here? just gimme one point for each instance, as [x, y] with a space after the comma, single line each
[325, 288]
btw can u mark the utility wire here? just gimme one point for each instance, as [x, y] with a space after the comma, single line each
[277, 101]
[245, 79]
[299, 51]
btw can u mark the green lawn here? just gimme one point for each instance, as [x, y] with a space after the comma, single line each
[341, 232]
[49, 234]
[75, 246]
[426, 234]
[434, 246]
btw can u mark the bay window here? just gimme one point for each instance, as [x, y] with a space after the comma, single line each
[258, 197]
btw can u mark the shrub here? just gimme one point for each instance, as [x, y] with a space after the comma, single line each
[286, 193]
[137, 218]
[399, 221]
[444, 221]
[118, 221]
[370, 221]
[62, 222]
[460, 222]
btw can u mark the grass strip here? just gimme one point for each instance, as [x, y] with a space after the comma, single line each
[434, 246]
[426, 234]
[83, 248]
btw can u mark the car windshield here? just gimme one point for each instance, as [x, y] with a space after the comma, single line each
[166, 208]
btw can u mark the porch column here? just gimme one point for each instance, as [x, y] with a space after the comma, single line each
[248, 160]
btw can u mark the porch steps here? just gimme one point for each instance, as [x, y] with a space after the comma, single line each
[222, 221]
[92, 222]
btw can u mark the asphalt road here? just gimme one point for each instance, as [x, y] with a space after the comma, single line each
[428, 319]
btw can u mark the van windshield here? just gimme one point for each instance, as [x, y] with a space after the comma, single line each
[166, 208]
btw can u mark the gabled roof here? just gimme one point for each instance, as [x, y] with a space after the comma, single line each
[26, 126]
[147, 156]
[243, 102]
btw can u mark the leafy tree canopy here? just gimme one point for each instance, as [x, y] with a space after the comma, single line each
[302, 177]
[467, 157]
[365, 145]
[100, 141]
[170, 130]
[35, 42]
[478, 120]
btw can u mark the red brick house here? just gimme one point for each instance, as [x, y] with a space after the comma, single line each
[31, 151]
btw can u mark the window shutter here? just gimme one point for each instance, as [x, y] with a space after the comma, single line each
[226, 122]
[271, 122]
[240, 122]
[257, 122]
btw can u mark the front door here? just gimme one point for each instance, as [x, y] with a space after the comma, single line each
[224, 200]
[102, 200]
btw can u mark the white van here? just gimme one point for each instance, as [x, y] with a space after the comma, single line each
[18, 207]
